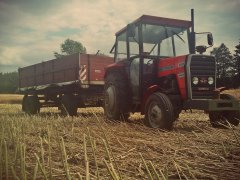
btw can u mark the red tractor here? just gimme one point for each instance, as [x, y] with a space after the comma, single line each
[157, 72]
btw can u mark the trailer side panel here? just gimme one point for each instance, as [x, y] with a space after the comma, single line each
[83, 68]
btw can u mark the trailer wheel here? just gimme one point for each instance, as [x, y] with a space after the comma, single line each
[31, 104]
[220, 118]
[159, 112]
[116, 98]
[68, 105]
[24, 103]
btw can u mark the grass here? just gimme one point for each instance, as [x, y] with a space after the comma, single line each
[234, 92]
[11, 98]
[48, 146]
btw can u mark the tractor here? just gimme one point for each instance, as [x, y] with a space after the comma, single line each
[159, 71]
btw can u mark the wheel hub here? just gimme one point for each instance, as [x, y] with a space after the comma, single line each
[110, 97]
[155, 115]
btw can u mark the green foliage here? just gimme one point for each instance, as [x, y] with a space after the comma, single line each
[70, 47]
[8, 82]
[236, 59]
[225, 65]
[228, 66]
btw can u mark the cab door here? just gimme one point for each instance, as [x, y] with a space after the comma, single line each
[140, 82]
[135, 77]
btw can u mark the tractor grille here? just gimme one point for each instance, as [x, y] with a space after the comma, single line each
[202, 67]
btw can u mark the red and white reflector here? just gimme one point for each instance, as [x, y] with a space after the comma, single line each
[83, 73]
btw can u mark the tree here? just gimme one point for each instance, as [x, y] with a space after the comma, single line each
[70, 47]
[223, 60]
[236, 59]
[8, 82]
[225, 64]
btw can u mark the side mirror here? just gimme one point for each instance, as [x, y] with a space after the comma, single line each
[131, 30]
[210, 39]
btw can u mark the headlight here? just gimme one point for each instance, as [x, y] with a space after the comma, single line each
[195, 80]
[210, 80]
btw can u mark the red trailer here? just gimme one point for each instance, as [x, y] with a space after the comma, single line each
[68, 83]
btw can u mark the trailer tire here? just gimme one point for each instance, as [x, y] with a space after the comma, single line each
[24, 103]
[159, 112]
[116, 97]
[31, 104]
[218, 119]
[68, 105]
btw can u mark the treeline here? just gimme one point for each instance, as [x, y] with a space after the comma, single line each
[228, 66]
[8, 82]
[228, 70]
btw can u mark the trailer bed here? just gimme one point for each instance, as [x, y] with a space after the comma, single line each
[81, 69]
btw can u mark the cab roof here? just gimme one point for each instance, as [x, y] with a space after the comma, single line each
[154, 20]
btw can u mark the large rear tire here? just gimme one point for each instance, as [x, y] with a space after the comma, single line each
[116, 97]
[221, 118]
[159, 112]
[68, 105]
[31, 104]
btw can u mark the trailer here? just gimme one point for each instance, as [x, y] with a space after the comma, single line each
[71, 82]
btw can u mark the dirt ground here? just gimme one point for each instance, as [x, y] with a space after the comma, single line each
[88, 146]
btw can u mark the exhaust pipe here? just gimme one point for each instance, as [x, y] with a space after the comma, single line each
[192, 35]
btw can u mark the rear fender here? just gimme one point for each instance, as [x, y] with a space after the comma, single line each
[115, 67]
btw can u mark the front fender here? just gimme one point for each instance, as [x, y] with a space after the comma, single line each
[152, 89]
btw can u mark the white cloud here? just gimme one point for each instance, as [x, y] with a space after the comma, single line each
[28, 37]
[11, 55]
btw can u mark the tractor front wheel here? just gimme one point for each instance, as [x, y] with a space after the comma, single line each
[221, 119]
[159, 112]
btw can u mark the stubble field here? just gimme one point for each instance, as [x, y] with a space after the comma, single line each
[48, 146]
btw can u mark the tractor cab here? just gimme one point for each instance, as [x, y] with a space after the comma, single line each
[152, 36]
[157, 72]
[144, 43]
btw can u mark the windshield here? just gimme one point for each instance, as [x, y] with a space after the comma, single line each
[157, 40]
[164, 41]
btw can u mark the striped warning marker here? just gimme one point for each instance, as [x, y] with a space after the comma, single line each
[83, 73]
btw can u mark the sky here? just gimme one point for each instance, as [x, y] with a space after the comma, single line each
[31, 30]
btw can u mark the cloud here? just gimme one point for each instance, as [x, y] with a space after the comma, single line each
[9, 53]
[31, 29]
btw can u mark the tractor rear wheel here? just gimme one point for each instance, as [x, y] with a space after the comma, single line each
[116, 98]
[31, 104]
[68, 105]
[159, 112]
[220, 118]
